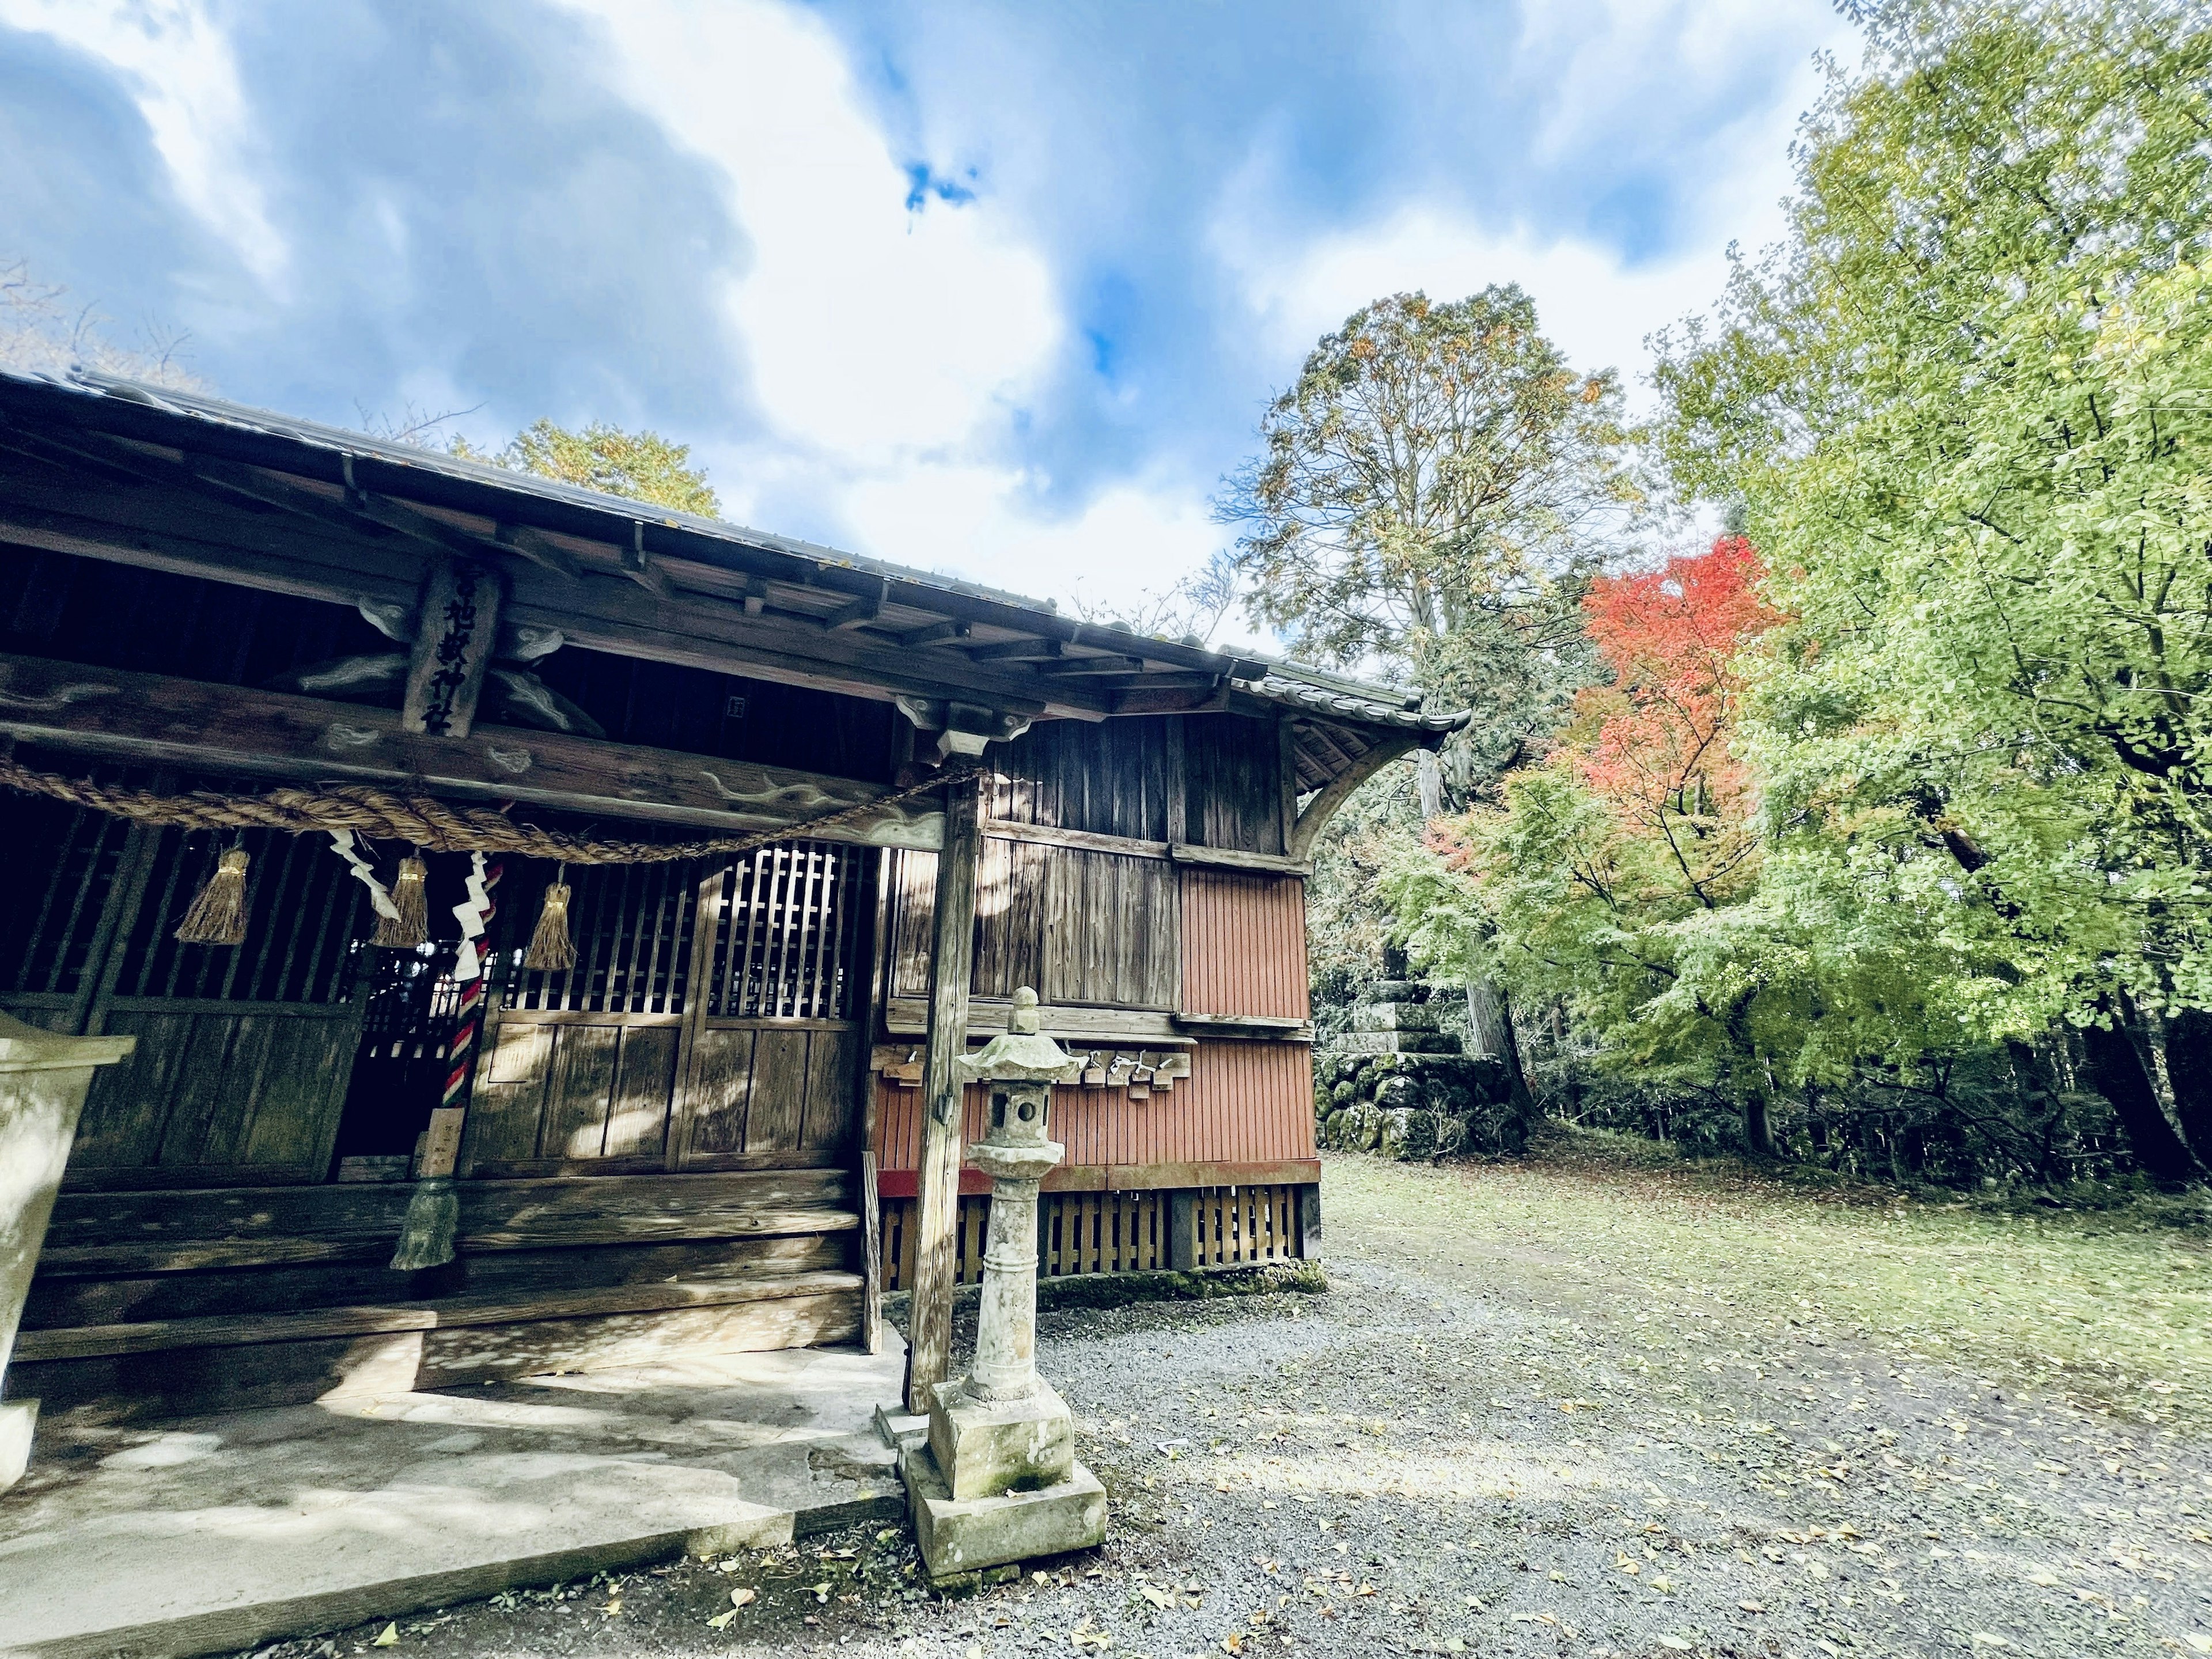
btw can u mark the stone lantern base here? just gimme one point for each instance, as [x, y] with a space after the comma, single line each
[996, 1481]
[960, 1537]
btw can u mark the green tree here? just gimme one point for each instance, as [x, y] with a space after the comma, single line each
[1431, 494]
[1964, 409]
[643, 467]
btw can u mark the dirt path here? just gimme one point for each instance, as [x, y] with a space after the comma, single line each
[1559, 1408]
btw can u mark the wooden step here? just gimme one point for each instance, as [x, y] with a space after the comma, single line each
[124, 1234]
[90, 1341]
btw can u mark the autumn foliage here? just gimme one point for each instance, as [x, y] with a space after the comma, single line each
[1654, 744]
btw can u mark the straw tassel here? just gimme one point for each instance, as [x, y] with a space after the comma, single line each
[551, 951]
[218, 914]
[433, 1222]
[410, 901]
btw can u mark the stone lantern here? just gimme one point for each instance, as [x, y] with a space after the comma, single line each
[997, 1479]
[43, 1081]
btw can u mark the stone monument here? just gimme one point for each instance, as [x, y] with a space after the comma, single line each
[997, 1480]
[43, 1081]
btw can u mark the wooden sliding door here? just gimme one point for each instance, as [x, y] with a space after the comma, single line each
[711, 1020]
[774, 1077]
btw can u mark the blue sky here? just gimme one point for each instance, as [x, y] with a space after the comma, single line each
[998, 289]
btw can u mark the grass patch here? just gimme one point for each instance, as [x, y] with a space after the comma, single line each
[2114, 1304]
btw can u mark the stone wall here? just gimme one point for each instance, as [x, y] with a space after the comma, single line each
[1398, 1085]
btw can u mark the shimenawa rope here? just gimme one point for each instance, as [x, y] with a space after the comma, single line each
[417, 818]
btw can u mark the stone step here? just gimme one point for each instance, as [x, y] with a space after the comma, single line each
[237, 1529]
[166, 1369]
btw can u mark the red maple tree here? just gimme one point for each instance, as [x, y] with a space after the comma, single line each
[1653, 745]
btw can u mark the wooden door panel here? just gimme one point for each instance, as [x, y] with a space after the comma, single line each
[645, 1088]
[296, 1122]
[217, 1096]
[129, 1105]
[721, 1089]
[832, 1117]
[509, 1099]
[779, 1092]
[579, 1088]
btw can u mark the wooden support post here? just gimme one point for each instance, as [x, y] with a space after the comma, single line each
[937, 1192]
[454, 646]
[1182, 1230]
[872, 1265]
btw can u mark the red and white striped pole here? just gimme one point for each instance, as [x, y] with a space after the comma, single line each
[427, 1236]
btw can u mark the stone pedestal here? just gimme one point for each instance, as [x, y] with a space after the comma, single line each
[43, 1081]
[996, 1480]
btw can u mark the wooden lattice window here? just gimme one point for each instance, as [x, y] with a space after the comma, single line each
[631, 925]
[789, 942]
[302, 907]
[63, 861]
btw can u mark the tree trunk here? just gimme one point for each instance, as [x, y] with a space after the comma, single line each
[1429, 778]
[1758, 1126]
[2189, 1069]
[1491, 1016]
[2116, 1069]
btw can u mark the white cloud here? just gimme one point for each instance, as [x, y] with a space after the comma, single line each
[872, 333]
[1614, 70]
[889, 351]
[174, 61]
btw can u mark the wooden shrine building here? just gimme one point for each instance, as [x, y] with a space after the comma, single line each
[709, 1131]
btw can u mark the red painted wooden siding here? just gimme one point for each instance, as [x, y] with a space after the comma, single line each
[1244, 944]
[1243, 1102]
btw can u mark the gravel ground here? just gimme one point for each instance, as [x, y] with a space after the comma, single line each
[1498, 1450]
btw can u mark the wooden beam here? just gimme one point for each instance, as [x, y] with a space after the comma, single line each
[1089, 841]
[1267, 1027]
[602, 616]
[1229, 858]
[456, 632]
[539, 549]
[1092, 665]
[1286, 779]
[937, 1209]
[934, 634]
[223, 728]
[638, 565]
[853, 612]
[1333, 795]
[1025, 650]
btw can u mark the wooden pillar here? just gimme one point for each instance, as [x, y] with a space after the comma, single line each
[936, 1196]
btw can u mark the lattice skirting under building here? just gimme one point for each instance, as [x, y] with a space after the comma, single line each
[1119, 1232]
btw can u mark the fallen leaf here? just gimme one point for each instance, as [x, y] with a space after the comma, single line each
[1752, 1607]
[1232, 1642]
[741, 1597]
[1676, 1643]
[1158, 1598]
[388, 1638]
